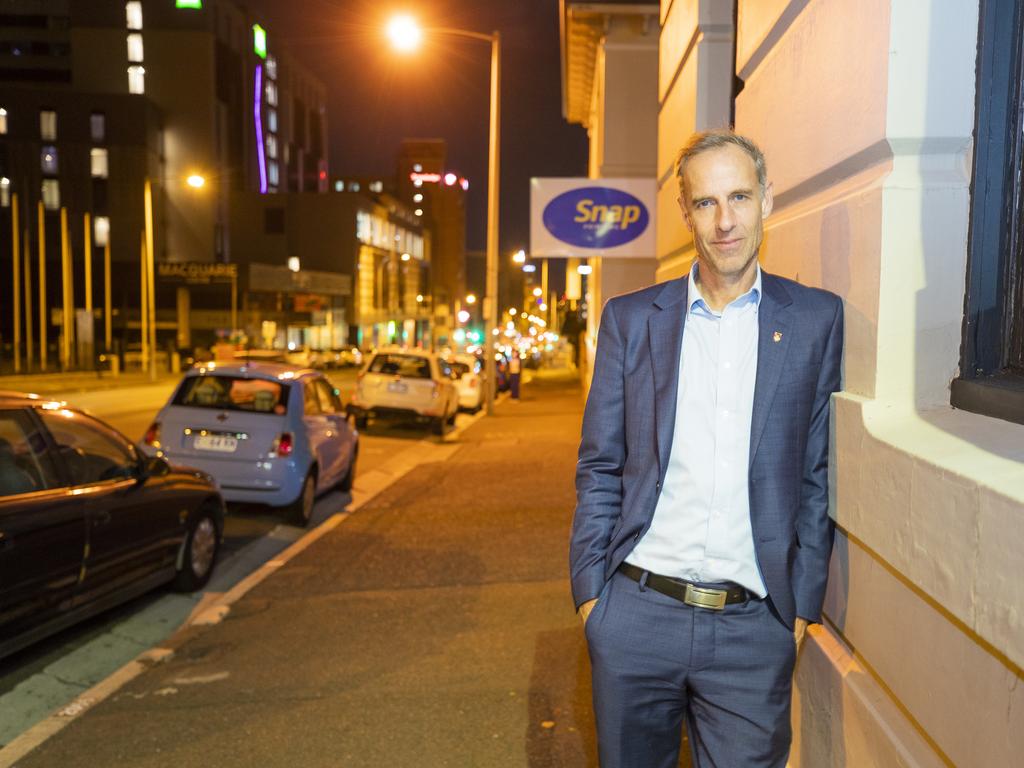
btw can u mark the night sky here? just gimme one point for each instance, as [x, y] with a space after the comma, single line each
[377, 97]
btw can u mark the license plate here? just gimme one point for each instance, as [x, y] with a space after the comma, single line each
[397, 386]
[218, 443]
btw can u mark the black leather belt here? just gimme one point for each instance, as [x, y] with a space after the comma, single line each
[684, 591]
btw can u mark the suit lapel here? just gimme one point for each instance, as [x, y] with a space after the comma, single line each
[665, 335]
[772, 345]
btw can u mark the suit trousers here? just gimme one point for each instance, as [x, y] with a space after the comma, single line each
[657, 661]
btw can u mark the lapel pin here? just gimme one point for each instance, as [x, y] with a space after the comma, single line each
[777, 337]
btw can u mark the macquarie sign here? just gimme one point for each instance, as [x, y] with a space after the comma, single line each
[592, 217]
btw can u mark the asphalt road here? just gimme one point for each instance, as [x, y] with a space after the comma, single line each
[433, 627]
[51, 673]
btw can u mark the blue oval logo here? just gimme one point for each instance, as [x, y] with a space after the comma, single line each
[596, 217]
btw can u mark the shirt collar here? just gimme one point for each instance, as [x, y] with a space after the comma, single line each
[696, 299]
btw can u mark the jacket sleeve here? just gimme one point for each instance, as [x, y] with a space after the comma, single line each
[814, 527]
[599, 470]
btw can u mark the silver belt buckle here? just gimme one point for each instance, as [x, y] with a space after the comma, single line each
[705, 598]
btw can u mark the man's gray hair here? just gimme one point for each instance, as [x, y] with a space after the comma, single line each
[708, 140]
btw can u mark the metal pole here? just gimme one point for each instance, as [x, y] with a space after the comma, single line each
[150, 280]
[107, 320]
[68, 288]
[493, 144]
[16, 264]
[27, 258]
[143, 305]
[234, 304]
[42, 287]
[88, 264]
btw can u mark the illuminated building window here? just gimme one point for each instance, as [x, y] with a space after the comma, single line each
[98, 163]
[5, 192]
[48, 160]
[48, 125]
[339, 186]
[273, 174]
[196, 4]
[418, 197]
[417, 168]
[363, 226]
[376, 186]
[101, 231]
[3, 120]
[417, 183]
[51, 194]
[133, 12]
[272, 94]
[418, 212]
[135, 48]
[354, 186]
[98, 127]
[272, 147]
[259, 41]
[272, 120]
[271, 68]
[136, 79]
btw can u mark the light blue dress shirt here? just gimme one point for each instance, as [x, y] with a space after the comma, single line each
[701, 528]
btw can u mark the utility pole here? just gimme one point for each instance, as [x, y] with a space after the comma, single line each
[42, 287]
[16, 264]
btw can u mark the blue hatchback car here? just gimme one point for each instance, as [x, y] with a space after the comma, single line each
[268, 433]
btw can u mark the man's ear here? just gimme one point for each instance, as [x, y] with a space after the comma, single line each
[686, 215]
[767, 201]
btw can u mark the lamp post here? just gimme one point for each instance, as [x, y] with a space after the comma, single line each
[406, 35]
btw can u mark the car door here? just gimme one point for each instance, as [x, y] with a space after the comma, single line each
[42, 529]
[342, 440]
[320, 433]
[133, 529]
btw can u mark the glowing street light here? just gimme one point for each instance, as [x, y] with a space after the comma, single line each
[196, 181]
[405, 34]
[471, 298]
[519, 257]
[538, 292]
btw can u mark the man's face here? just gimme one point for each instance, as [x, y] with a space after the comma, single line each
[725, 210]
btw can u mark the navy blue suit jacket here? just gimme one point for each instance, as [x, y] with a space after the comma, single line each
[629, 423]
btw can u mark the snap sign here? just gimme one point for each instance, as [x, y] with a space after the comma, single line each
[592, 217]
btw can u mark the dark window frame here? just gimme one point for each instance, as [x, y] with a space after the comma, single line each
[991, 380]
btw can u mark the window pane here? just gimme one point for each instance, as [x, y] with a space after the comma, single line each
[135, 48]
[231, 393]
[51, 194]
[272, 147]
[311, 401]
[3, 121]
[90, 452]
[5, 192]
[101, 231]
[98, 127]
[48, 160]
[98, 163]
[273, 174]
[48, 125]
[136, 79]
[272, 120]
[25, 466]
[133, 12]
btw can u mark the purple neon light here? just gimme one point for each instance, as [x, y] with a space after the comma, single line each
[259, 129]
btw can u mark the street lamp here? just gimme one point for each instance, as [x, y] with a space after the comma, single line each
[471, 298]
[519, 257]
[406, 35]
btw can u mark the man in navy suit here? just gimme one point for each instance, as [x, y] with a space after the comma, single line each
[701, 537]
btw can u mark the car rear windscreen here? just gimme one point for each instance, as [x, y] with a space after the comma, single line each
[233, 393]
[408, 366]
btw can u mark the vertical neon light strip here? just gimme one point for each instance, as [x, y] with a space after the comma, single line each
[257, 111]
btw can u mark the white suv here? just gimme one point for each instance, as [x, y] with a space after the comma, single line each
[401, 383]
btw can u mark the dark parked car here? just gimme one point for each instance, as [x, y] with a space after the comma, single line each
[87, 522]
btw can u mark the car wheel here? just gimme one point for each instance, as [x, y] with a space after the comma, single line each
[346, 482]
[439, 426]
[199, 552]
[360, 422]
[300, 511]
[451, 419]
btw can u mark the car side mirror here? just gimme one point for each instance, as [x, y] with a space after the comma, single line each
[154, 466]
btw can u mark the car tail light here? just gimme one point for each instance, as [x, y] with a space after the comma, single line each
[284, 444]
[473, 383]
[152, 436]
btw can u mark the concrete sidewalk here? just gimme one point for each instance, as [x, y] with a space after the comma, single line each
[433, 627]
[68, 384]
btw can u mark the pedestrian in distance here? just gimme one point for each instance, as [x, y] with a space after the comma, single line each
[701, 538]
[515, 369]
